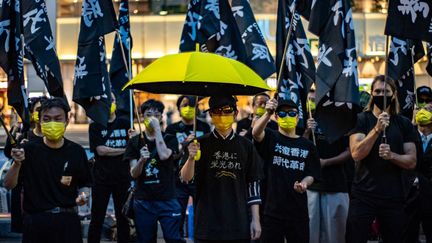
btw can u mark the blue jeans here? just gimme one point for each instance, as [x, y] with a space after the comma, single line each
[147, 213]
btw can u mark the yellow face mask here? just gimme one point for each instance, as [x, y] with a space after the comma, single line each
[223, 123]
[53, 131]
[287, 123]
[423, 117]
[187, 112]
[260, 111]
[147, 125]
[35, 117]
[113, 108]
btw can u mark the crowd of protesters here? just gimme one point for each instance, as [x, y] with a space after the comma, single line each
[266, 181]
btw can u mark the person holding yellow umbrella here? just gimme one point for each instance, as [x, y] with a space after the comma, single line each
[227, 178]
[229, 165]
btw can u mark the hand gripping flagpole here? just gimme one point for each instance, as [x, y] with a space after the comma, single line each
[128, 67]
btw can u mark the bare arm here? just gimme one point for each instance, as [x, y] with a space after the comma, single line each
[339, 159]
[11, 177]
[258, 132]
[102, 150]
[361, 145]
[255, 227]
[136, 167]
[187, 172]
[163, 151]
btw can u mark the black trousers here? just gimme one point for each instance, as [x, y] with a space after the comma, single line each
[52, 228]
[100, 198]
[276, 230]
[184, 191]
[419, 212]
[390, 215]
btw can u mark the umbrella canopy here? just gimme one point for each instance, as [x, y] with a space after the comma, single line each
[198, 73]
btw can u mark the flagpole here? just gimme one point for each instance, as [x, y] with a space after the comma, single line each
[129, 71]
[290, 29]
[310, 115]
[384, 137]
[414, 79]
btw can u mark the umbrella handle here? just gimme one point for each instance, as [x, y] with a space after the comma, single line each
[198, 154]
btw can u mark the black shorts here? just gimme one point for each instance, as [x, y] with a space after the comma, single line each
[52, 227]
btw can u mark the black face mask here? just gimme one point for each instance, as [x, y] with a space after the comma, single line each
[378, 100]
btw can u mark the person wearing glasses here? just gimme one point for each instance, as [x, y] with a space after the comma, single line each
[244, 126]
[226, 171]
[328, 198]
[291, 165]
[152, 166]
[380, 181]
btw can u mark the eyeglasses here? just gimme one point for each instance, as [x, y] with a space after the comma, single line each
[223, 110]
[283, 114]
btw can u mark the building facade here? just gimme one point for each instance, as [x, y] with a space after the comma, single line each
[156, 27]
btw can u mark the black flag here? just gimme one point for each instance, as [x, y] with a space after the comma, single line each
[40, 47]
[91, 82]
[298, 72]
[201, 25]
[401, 70]
[11, 56]
[410, 19]
[118, 69]
[258, 56]
[337, 95]
[429, 58]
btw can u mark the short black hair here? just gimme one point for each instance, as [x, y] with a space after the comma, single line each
[152, 103]
[54, 102]
[34, 100]
[189, 97]
[256, 96]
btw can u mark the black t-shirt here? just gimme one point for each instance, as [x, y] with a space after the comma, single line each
[222, 175]
[287, 160]
[333, 178]
[246, 123]
[156, 181]
[110, 169]
[376, 178]
[181, 131]
[45, 168]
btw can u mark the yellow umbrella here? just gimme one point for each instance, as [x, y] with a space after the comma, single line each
[198, 73]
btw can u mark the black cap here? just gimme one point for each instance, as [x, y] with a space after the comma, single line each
[424, 91]
[221, 101]
[286, 103]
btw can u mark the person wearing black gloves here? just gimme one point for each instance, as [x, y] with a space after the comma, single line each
[378, 188]
[151, 156]
[183, 130]
[244, 126]
[55, 176]
[226, 169]
[110, 172]
[420, 207]
[291, 165]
